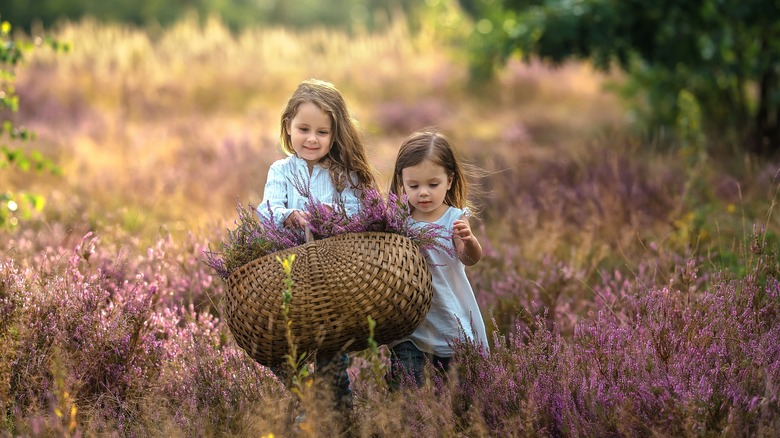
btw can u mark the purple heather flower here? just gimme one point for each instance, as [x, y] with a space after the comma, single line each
[257, 235]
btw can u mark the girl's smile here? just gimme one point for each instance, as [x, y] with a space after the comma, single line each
[310, 133]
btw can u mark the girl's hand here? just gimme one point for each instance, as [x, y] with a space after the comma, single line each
[462, 230]
[466, 243]
[297, 219]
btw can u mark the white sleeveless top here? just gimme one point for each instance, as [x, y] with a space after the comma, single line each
[453, 299]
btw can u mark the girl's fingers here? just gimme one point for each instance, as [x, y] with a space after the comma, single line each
[463, 234]
[298, 218]
[461, 227]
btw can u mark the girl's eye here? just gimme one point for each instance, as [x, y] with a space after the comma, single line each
[324, 132]
[434, 184]
[413, 186]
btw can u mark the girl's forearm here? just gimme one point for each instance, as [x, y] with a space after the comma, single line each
[472, 252]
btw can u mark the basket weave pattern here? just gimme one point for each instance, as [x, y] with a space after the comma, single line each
[339, 282]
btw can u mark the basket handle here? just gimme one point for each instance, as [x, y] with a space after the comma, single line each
[309, 235]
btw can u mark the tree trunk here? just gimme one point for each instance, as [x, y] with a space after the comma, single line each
[766, 138]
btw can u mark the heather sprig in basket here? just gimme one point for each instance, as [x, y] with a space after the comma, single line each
[349, 268]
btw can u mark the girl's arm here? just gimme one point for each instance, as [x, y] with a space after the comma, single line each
[275, 196]
[466, 243]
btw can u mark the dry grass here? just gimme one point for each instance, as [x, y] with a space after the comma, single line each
[168, 129]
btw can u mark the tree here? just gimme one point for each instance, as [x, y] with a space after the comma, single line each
[16, 205]
[723, 53]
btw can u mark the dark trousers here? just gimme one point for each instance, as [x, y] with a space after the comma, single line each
[332, 371]
[407, 365]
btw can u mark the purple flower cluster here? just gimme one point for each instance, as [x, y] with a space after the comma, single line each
[695, 359]
[133, 344]
[101, 332]
[257, 235]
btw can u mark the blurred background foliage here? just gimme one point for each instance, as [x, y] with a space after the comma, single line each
[236, 14]
[721, 55]
[18, 204]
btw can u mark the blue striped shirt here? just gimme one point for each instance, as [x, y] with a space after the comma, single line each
[284, 198]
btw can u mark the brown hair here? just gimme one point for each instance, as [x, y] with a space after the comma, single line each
[347, 153]
[432, 145]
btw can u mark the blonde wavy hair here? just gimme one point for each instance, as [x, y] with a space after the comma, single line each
[347, 153]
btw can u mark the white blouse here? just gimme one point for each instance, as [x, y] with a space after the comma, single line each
[284, 198]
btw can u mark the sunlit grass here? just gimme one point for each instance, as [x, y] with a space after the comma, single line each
[178, 123]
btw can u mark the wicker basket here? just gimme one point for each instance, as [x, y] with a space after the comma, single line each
[339, 282]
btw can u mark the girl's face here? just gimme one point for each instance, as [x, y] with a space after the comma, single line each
[426, 185]
[311, 133]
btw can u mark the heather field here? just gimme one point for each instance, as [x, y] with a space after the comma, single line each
[630, 286]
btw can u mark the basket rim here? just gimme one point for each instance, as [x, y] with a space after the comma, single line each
[291, 249]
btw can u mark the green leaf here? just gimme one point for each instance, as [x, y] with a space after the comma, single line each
[18, 206]
[23, 163]
[36, 201]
